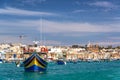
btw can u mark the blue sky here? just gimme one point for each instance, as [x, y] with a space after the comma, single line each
[61, 22]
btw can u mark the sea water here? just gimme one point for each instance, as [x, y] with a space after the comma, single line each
[70, 71]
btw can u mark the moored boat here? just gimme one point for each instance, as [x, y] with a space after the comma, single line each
[1, 61]
[61, 62]
[35, 63]
[19, 64]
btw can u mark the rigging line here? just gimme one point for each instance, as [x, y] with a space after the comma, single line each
[41, 35]
[42, 32]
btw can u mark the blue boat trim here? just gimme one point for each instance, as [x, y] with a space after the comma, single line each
[41, 60]
[35, 68]
[27, 60]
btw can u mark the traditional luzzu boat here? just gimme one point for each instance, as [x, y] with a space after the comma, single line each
[37, 61]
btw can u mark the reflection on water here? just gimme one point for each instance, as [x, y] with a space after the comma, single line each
[33, 75]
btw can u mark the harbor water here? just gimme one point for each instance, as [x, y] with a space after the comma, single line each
[70, 71]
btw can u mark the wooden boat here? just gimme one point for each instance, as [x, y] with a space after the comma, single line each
[35, 63]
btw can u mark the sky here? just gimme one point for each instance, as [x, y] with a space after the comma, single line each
[60, 22]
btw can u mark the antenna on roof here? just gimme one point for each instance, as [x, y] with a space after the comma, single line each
[21, 37]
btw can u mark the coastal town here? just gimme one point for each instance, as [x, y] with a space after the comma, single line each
[59, 39]
[89, 52]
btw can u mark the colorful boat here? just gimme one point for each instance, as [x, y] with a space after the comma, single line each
[35, 63]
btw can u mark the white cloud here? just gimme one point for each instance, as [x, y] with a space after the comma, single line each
[60, 27]
[105, 4]
[78, 11]
[54, 27]
[79, 27]
[15, 11]
[31, 2]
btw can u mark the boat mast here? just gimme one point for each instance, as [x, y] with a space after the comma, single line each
[41, 36]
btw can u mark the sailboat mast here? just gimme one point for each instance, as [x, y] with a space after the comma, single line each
[41, 36]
